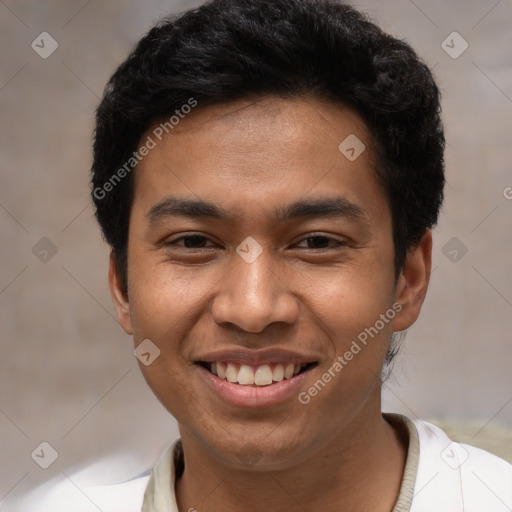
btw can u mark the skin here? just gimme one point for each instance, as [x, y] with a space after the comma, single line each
[313, 296]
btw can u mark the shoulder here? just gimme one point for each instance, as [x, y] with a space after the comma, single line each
[454, 476]
[64, 494]
[69, 492]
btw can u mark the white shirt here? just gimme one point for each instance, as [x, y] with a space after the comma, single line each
[440, 476]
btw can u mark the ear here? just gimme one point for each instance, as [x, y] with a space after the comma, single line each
[119, 297]
[413, 282]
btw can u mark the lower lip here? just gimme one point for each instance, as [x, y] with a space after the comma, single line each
[253, 396]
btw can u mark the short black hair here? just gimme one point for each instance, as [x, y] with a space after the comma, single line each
[233, 49]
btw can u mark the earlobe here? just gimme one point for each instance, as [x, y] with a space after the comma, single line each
[119, 296]
[413, 282]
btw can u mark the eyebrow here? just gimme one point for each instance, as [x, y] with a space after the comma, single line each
[334, 207]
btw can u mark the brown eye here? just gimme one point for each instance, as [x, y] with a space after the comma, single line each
[321, 242]
[189, 242]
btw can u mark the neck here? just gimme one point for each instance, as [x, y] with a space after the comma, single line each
[359, 469]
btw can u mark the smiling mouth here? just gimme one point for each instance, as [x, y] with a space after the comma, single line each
[256, 376]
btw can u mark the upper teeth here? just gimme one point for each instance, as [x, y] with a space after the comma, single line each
[260, 375]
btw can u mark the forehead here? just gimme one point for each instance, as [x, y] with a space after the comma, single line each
[301, 123]
[258, 152]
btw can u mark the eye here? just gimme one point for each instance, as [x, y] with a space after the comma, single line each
[199, 242]
[322, 242]
[189, 242]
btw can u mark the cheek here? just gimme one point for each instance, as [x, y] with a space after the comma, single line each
[164, 299]
[356, 309]
[352, 297]
[360, 322]
[163, 311]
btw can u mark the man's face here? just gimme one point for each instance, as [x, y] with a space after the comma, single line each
[259, 284]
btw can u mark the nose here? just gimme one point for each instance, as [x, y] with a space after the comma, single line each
[255, 295]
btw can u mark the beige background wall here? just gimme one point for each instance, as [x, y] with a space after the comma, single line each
[68, 375]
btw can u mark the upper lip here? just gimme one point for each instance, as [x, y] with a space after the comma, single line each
[257, 357]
